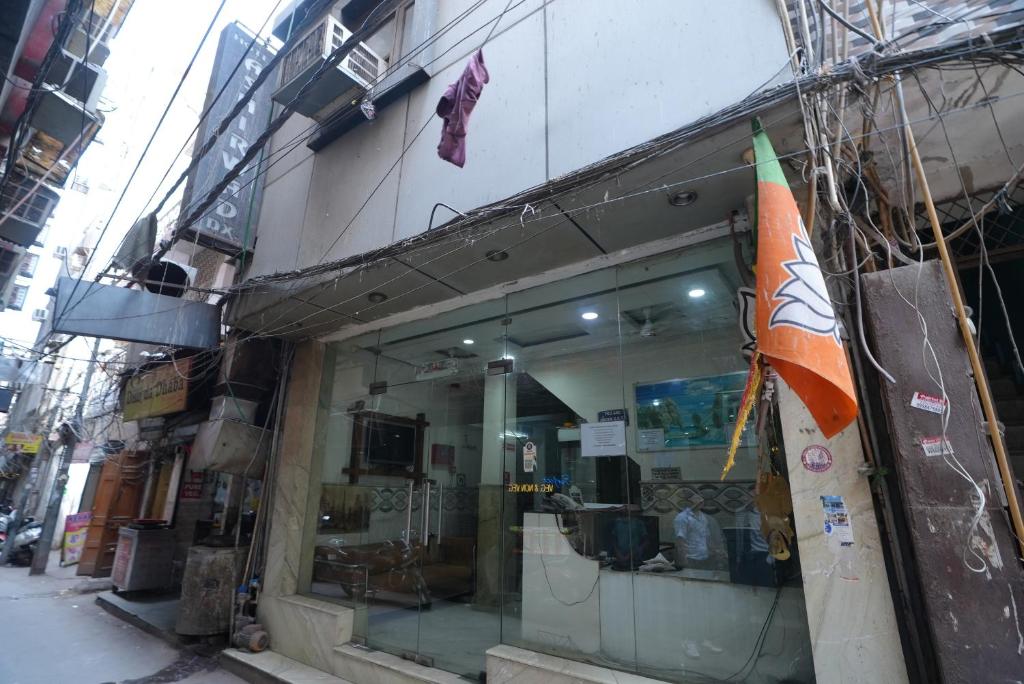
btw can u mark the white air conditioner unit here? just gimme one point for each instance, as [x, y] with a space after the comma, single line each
[82, 81]
[60, 252]
[40, 315]
[347, 82]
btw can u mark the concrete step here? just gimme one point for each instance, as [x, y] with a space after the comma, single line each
[273, 668]
[365, 665]
[508, 664]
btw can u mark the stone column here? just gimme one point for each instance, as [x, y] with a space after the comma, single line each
[497, 456]
[294, 458]
[849, 607]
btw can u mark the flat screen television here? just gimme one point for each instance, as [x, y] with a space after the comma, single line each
[389, 444]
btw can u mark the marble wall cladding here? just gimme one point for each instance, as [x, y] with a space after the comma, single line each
[488, 544]
[306, 630]
[291, 488]
[850, 612]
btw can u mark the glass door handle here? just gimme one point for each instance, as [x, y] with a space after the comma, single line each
[425, 529]
[440, 510]
[408, 518]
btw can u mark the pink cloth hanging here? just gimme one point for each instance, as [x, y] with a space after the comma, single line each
[456, 105]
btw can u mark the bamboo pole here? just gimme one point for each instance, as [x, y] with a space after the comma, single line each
[980, 379]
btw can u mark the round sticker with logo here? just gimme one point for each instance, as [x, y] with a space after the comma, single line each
[816, 458]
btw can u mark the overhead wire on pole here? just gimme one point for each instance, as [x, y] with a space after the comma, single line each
[330, 62]
[249, 286]
[203, 116]
[445, 29]
[266, 71]
[968, 48]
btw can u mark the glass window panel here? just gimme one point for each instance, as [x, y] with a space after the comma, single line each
[572, 531]
[404, 437]
[719, 607]
[543, 471]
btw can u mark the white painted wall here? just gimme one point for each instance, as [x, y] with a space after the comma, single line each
[572, 81]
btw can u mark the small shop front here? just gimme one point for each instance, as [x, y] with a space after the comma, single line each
[542, 470]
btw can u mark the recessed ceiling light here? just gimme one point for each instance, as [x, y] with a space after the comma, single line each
[589, 315]
[496, 255]
[468, 341]
[682, 199]
[696, 293]
[377, 297]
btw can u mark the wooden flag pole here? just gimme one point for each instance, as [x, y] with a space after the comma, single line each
[980, 378]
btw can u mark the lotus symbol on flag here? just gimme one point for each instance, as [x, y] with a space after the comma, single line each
[805, 301]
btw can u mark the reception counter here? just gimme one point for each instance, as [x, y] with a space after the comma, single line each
[682, 622]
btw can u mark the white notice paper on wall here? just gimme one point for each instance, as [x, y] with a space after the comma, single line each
[651, 439]
[603, 439]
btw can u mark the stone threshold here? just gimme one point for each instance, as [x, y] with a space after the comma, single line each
[362, 664]
[512, 664]
[269, 667]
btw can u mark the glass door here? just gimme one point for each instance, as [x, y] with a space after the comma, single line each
[414, 450]
[462, 564]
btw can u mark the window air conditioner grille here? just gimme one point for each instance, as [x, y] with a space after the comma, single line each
[364, 63]
[308, 50]
[337, 36]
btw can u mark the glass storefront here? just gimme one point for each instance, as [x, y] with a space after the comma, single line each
[543, 471]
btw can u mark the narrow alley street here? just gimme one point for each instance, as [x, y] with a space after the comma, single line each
[54, 633]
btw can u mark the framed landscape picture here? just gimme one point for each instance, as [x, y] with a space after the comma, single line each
[690, 412]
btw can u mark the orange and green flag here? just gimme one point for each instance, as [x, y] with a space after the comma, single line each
[797, 330]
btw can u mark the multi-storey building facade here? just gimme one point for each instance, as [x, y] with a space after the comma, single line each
[491, 291]
[444, 492]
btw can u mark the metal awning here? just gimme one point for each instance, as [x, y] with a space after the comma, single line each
[118, 313]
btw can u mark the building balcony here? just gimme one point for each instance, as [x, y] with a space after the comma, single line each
[30, 205]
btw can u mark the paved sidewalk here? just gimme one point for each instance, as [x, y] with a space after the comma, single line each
[53, 633]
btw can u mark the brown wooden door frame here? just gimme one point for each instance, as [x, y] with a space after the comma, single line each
[116, 503]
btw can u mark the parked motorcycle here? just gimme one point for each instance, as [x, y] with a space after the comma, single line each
[25, 539]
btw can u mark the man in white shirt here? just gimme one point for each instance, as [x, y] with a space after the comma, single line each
[700, 543]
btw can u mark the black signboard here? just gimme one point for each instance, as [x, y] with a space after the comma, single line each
[223, 226]
[612, 415]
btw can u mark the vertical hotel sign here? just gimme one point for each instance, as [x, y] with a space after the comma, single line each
[223, 227]
[158, 392]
